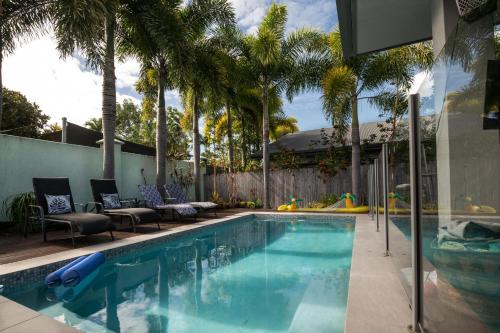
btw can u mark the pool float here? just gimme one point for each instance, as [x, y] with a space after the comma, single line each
[292, 204]
[349, 199]
[357, 210]
[72, 276]
[54, 279]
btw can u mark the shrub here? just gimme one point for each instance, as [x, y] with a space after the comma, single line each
[16, 207]
[258, 203]
[328, 199]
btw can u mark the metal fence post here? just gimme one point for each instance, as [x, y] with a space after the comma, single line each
[377, 195]
[369, 180]
[385, 186]
[416, 214]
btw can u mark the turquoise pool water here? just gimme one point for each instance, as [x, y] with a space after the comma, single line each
[253, 275]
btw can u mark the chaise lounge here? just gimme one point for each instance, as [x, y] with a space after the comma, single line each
[178, 196]
[56, 205]
[107, 202]
[155, 201]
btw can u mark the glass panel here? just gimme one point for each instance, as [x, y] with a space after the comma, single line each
[399, 208]
[461, 184]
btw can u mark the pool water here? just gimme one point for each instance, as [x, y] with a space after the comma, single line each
[252, 275]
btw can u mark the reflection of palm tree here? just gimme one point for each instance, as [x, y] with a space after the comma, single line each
[163, 290]
[112, 320]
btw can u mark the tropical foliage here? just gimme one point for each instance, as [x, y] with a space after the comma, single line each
[234, 81]
[20, 116]
[383, 78]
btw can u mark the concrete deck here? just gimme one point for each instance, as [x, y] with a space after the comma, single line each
[15, 318]
[377, 302]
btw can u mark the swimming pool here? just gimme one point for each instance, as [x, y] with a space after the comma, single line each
[258, 274]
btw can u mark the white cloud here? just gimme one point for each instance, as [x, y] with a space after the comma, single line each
[423, 84]
[320, 14]
[59, 86]
[63, 89]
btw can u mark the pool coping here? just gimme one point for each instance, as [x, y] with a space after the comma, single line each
[377, 301]
[28, 320]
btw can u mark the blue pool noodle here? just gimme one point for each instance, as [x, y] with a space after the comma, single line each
[54, 279]
[78, 272]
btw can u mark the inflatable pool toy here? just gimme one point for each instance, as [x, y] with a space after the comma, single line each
[355, 210]
[72, 276]
[54, 279]
[292, 204]
[283, 208]
[469, 207]
[349, 198]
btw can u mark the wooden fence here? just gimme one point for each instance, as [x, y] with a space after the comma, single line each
[307, 183]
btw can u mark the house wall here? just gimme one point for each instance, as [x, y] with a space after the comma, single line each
[21, 159]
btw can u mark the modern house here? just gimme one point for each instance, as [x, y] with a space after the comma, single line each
[450, 290]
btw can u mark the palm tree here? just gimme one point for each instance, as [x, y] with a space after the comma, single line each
[283, 64]
[202, 73]
[20, 20]
[346, 80]
[153, 34]
[281, 125]
[90, 26]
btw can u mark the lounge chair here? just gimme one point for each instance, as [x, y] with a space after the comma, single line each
[178, 196]
[107, 202]
[155, 201]
[56, 205]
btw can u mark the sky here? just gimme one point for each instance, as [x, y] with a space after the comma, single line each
[65, 88]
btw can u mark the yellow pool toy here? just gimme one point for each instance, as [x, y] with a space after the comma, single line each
[291, 206]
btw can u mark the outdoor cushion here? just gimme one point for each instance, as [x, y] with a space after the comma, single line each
[203, 204]
[51, 186]
[87, 223]
[58, 204]
[182, 209]
[179, 197]
[111, 200]
[151, 194]
[141, 215]
[176, 193]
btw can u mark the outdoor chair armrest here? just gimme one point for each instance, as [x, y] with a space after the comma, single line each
[36, 210]
[82, 206]
[147, 203]
[129, 202]
[168, 199]
[141, 203]
[97, 205]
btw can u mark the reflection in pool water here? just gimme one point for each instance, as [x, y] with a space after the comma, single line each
[249, 276]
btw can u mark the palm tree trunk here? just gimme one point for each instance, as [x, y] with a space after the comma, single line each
[1, 86]
[1, 60]
[355, 148]
[196, 149]
[161, 128]
[265, 144]
[243, 142]
[230, 136]
[109, 100]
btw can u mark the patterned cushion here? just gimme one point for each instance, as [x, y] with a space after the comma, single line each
[111, 200]
[175, 191]
[204, 204]
[151, 194]
[182, 209]
[58, 204]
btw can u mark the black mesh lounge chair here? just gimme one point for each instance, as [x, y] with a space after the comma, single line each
[105, 190]
[61, 209]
